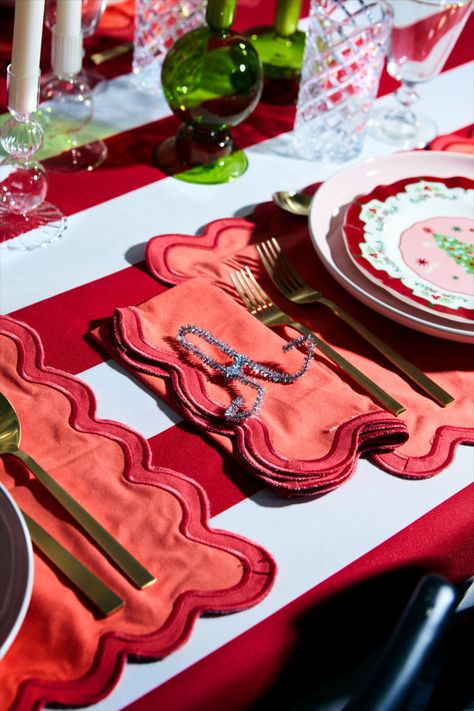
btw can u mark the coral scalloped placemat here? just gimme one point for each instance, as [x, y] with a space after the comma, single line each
[228, 244]
[64, 653]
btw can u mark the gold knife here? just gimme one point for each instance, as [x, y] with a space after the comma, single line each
[89, 584]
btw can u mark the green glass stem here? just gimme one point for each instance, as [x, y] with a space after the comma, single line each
[282, 59]
[220, 13]
[286, 17]
[281, 50]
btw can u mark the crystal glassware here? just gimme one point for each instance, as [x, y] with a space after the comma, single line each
[281, 49]
[423, 35]
[158, 24]
[212, 79]
[92, 11]
[343, 59]
[27, 221]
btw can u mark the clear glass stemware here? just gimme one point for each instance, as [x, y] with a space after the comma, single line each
[423, 35]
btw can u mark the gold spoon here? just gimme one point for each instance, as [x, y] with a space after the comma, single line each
[292, 201]
[10, 433]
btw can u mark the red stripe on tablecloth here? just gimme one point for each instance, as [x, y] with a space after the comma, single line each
[184, 449]
[129, 164]
[78, 309]
[329, 628]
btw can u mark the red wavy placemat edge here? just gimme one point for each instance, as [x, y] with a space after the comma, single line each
[442, 453]
[259, 568]
[158, 248]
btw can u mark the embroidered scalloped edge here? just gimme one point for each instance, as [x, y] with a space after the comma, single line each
[442, 453]
[258, 566]
[252, 436]
[158, 248]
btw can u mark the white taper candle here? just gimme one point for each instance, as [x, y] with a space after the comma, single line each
[26, 49]
[68, 17]
[66, 49]
[27, 34]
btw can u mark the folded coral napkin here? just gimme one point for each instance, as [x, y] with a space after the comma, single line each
[64, 653]
[306, 436]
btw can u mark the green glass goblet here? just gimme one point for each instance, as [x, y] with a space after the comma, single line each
[212, 80]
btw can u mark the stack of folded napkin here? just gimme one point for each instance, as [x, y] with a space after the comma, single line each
[306, 436]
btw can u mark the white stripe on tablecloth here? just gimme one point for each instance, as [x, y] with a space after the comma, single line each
[326, 535]
[123, 398]
[130, 220]
[121, 107]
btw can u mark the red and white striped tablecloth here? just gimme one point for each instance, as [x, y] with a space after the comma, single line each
[375, 527]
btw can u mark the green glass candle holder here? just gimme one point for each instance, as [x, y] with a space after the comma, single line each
[212, 80]
[281, 50]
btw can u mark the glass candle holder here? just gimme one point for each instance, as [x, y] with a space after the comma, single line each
[27, 221]
[212, 79]
[66, 108]
[281, 50]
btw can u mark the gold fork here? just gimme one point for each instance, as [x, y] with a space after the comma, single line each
[293, 287]
[262, 307]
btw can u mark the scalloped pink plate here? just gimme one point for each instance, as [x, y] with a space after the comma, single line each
[415, 238]
[327, 214]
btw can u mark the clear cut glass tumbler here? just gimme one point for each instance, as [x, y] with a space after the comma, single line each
[158, 24]
[344, 55]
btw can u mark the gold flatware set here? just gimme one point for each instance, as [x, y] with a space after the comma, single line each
[91, 586]
[295, 289]
[262, 307]
[291, 285]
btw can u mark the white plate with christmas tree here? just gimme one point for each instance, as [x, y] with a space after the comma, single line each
[415, 238]
[327, 215]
